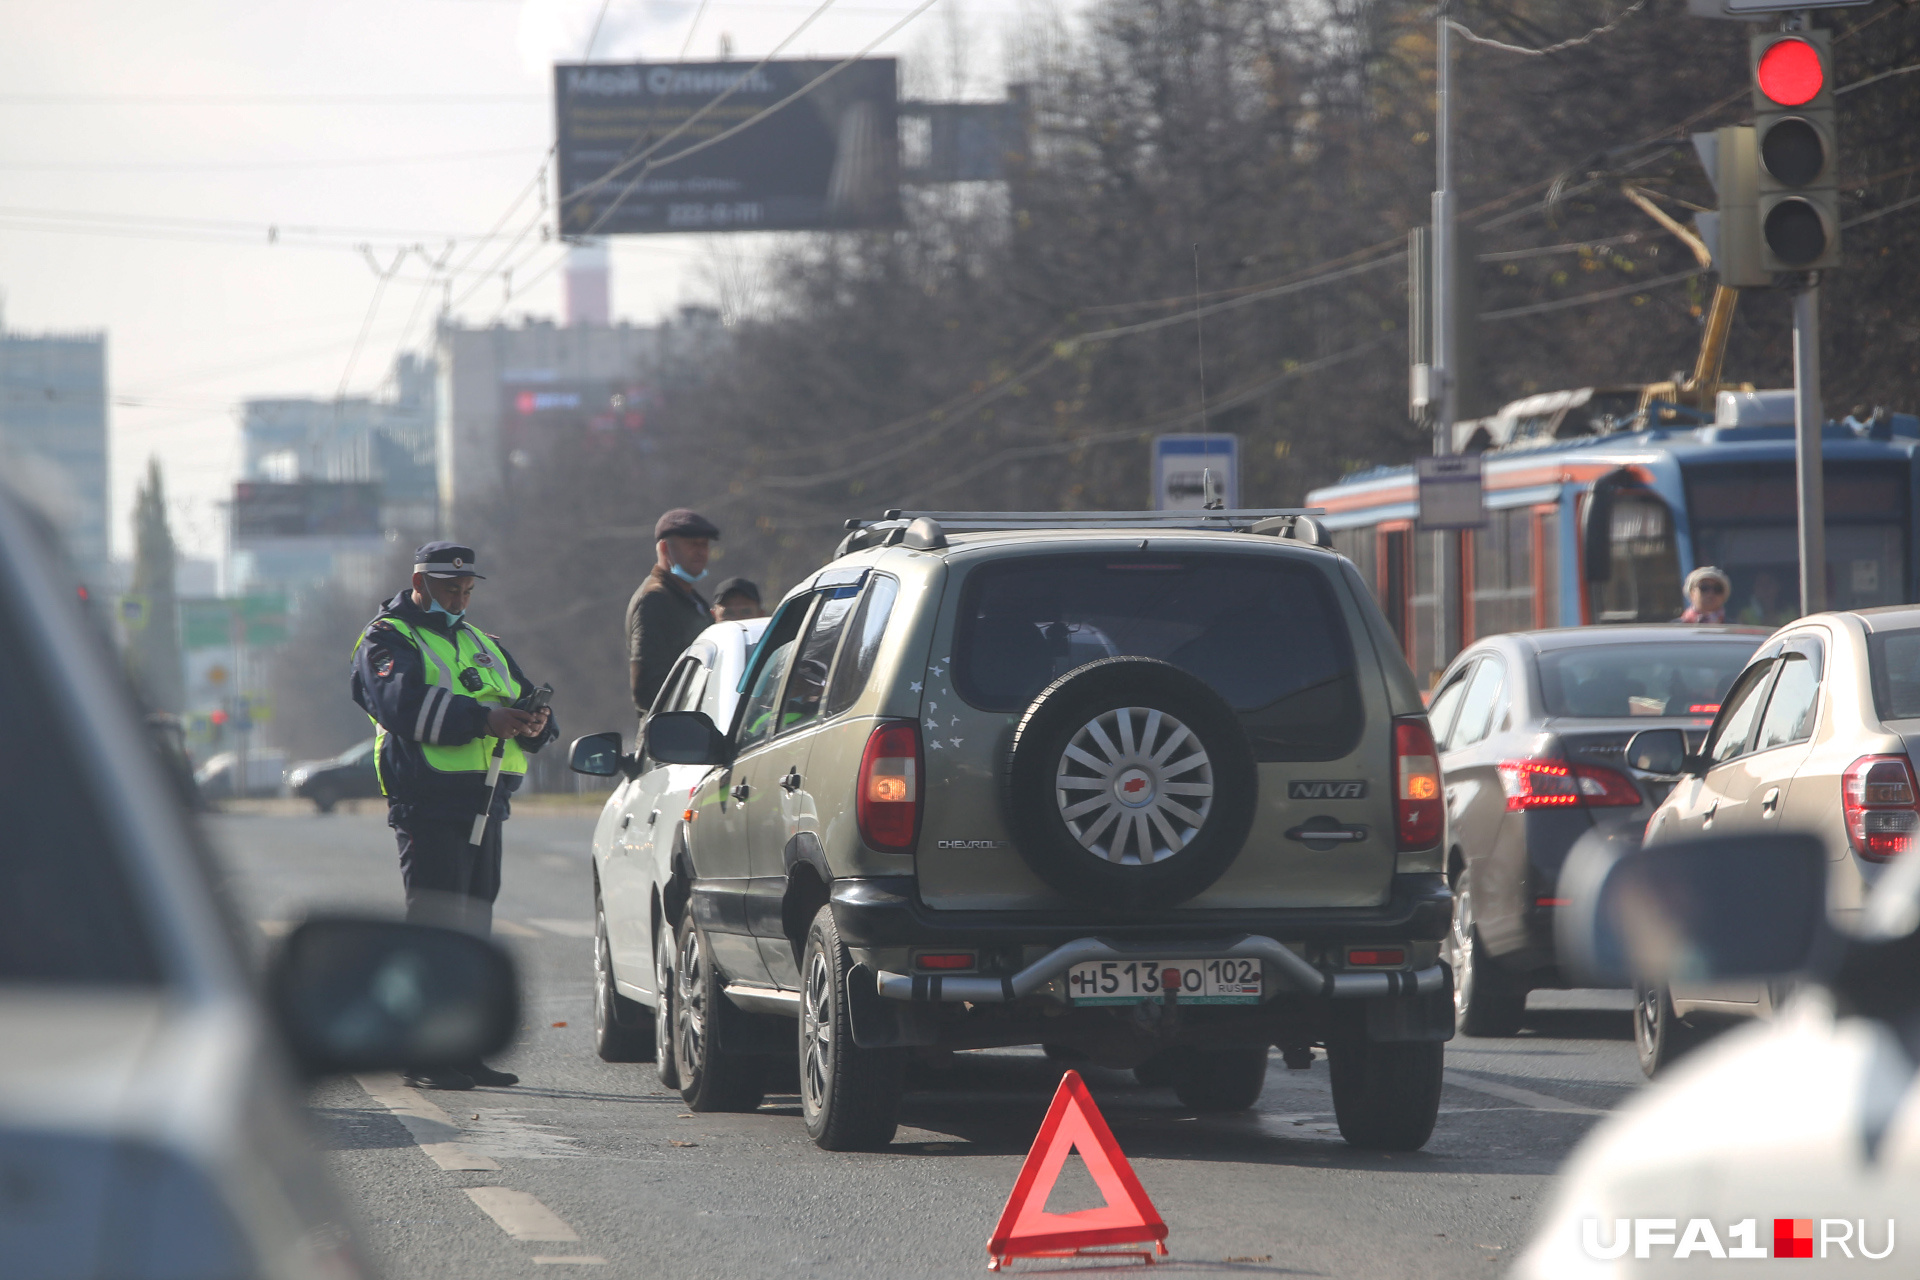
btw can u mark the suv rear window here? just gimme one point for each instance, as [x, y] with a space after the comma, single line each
[1615, 681]
[1264, 632]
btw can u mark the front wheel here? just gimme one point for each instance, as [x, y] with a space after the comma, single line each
[1659, 1036]
[664, 1064]
[1217, 1080]
[849, 1096]
[622, 1028]
[711, 1077]
[1385, 1096]
[1486, 999]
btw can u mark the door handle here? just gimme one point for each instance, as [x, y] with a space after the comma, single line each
[625, 818]
[1708, 819]
[653, 817]
[741, 792]
[790, 783]
[1770, 803]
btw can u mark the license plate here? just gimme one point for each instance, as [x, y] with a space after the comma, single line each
[1131, 981]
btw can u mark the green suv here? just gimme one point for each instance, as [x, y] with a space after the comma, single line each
[1154, 790]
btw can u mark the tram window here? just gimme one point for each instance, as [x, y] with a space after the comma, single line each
[1503, 573]
[1546, 609]
[1357, 545]
[1393, 581]
[1645, 586]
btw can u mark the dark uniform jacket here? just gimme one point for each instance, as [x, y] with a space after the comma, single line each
[663, 618]
[390, 682]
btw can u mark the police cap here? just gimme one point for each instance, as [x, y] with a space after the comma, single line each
[445, 560]
[684, 522]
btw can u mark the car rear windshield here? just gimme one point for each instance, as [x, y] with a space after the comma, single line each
[1616, 681]
[1893, 661]
[1264, 632]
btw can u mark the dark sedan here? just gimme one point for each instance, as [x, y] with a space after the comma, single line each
[347, 776]
[1533, 729]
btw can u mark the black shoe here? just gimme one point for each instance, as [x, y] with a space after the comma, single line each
[439, 1079]
[484, 1074]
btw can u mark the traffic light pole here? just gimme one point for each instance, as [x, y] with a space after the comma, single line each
[1446, 576]
[1808, 417]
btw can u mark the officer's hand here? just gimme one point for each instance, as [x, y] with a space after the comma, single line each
[506, 722]
[538, 726]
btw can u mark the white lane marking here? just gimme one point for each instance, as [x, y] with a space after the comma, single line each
[513, 930]
[433, 1130]
[520, 1215]
[566, 928]
[569, 1259]
[1514, 1093]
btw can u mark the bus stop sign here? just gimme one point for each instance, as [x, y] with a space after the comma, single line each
[1185, 466]
[1450, 492]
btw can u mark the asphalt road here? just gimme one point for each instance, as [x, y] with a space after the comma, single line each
[620, 1179]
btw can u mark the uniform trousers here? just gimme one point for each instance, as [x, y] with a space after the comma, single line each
[450, 882]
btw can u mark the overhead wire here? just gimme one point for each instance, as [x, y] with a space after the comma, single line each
[1475, 38]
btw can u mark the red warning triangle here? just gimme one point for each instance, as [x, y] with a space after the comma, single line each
[1026, 1228]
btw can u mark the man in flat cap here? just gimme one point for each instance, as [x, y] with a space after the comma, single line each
[668, 612]
[441, 693]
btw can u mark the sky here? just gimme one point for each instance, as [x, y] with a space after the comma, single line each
[221, 185]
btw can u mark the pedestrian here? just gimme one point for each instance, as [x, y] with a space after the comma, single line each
[1707, 591]
[737, 600]
[440, 693]
[667, 614]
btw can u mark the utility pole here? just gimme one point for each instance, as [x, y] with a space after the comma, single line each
[1809, 470]
[1446, 605]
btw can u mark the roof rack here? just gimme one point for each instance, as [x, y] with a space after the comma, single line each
[927, 530]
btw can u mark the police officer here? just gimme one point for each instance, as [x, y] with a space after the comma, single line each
[440, 692]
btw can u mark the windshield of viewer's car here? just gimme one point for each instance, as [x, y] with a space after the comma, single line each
[1264, 633]
[1615, 681]
[1893, 661]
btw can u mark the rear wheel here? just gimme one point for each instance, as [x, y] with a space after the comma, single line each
[711, 1078]
[1385, 1096]
[1486, 999]
[622, 1028]
[323, 799]
[1659, 1036]
[1220, 1079]
[849, 1096]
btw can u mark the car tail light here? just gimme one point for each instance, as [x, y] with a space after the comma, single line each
[945, 960]
[1361, 959]
[1420, 805]
[1555, 784]
[1882, 806]
[888, 805]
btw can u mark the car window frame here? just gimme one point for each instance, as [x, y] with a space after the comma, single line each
[1769, 655]
[823, 596]
[831, 706]
[1806, 648]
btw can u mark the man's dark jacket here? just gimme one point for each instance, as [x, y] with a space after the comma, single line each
[390, 683]
[663, 618]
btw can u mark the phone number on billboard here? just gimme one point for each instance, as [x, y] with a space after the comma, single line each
[742, 213]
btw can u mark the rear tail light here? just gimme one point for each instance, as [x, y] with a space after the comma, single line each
[1420, 806]
[1882, 806]
[1375, 958]
[1555, 784]
[888, 804]
[944, 960]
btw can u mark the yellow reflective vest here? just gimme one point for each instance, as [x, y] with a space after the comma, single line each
[444, 657]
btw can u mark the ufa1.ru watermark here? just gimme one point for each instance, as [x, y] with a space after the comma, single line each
[1792, 1238]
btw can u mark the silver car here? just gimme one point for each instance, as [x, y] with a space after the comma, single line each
[1815, 736]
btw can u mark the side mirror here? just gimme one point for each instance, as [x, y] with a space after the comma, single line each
[1750, 906]
[379, 995]
[1661, 751]
[685, 737]
[597, 755]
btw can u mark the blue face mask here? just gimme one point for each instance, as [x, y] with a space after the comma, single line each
[682, 574]
[453, 619]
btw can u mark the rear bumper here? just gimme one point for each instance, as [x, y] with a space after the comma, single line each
[1301, 976]
[886, 912]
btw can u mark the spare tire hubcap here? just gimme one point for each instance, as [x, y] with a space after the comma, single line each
[1134, 785]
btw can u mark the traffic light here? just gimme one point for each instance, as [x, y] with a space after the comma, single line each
[1798, 159]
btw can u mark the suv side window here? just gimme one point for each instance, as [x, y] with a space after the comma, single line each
[862, 648]
[756, 720]
[1446, 705]
[802, 702]
[1735, 727]
[1796, 694]
[1478, 705]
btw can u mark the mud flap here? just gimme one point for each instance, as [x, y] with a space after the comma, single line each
[879, 1023]
[1401, 1018]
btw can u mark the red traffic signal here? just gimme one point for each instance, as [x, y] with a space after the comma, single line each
[1791, 73]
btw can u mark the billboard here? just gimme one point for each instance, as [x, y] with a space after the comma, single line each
[633, 157]
[305, 509]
